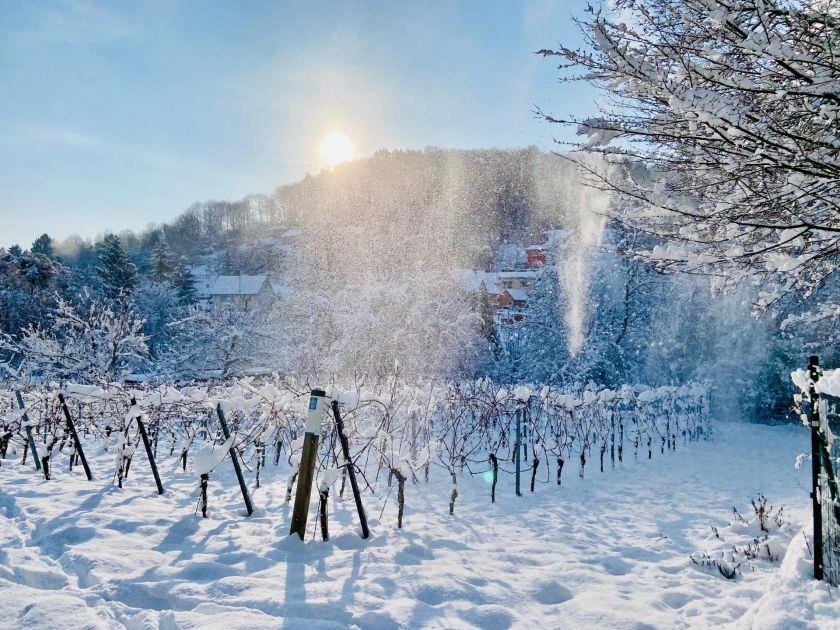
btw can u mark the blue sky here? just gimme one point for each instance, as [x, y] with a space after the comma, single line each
[115, 115]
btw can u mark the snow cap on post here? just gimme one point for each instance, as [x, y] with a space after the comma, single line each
[316, 412]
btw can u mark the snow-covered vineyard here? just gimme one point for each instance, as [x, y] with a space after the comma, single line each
[646, 542]
[396, 430]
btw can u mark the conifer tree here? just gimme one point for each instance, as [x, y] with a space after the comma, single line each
[43, 245]
[162, 263]
[487, 315]
[183, 281]
[117, 272]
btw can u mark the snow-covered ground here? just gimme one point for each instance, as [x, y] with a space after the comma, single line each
[608, 551]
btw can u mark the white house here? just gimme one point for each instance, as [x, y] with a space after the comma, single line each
[496, 281]
[240, 292]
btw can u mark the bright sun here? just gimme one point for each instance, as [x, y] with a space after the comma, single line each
[336, 148]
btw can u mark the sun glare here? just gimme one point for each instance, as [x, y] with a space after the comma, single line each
[336, 148]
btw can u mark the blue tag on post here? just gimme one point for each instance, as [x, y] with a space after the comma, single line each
[313, 403]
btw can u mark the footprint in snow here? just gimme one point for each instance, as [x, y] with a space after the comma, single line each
[551, 592]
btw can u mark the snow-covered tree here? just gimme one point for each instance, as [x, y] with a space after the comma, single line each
[487, 323]
[179, 336]
[732, 110]
[117, 273]
[537, 350]
[161, 262]
[29, 271]
[28, 286]
[91, 342]
[416, 324]
[183, 281]
[166, 267]
[234, 340]
[44, 245]
[159, 306]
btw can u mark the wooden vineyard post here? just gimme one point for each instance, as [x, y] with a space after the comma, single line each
[351, 472]
[233, 457]
[149, 454]
[29, 437]
[816, 468]
[518, 451]
[75, 435]
[307, 462]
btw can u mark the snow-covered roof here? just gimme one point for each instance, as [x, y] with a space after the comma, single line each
[518, 294]
[511, 275]
[237, 285]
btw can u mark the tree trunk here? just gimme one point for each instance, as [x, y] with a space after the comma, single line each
[560, 462]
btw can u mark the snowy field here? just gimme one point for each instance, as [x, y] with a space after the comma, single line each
[609, 551]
